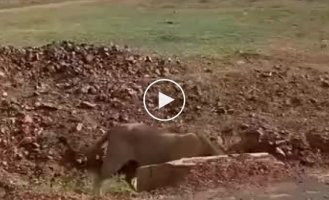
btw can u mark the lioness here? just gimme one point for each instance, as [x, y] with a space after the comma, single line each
[139, 144]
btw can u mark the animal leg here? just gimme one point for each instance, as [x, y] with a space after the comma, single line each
[129, 170]
[128, 179]
[111, 165]
[97, 185]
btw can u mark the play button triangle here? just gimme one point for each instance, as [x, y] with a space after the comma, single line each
[163, 100]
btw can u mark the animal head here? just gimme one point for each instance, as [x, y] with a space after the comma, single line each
[211, 145]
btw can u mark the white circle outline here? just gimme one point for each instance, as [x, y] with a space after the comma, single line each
[171, 81]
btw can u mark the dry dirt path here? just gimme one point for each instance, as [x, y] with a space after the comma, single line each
[309, 186]
[47, 5]
[305, 189]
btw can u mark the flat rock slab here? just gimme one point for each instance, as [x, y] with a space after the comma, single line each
[170, 173]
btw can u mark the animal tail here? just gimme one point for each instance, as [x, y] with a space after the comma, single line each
[70, 154]
[95, 149]
[63, 140]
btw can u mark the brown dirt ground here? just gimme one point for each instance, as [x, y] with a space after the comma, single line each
[9, 5]
[74, 92]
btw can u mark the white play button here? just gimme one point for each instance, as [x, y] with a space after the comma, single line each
[164, 100]
[153, 102]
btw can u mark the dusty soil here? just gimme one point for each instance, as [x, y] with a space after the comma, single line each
[9, 5]
[66, 92]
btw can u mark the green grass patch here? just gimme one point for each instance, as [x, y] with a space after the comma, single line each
[184, 28]
[81, 184]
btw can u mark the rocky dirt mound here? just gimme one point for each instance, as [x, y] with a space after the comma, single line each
[69, 91]
[72, 93]
[266, 104]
